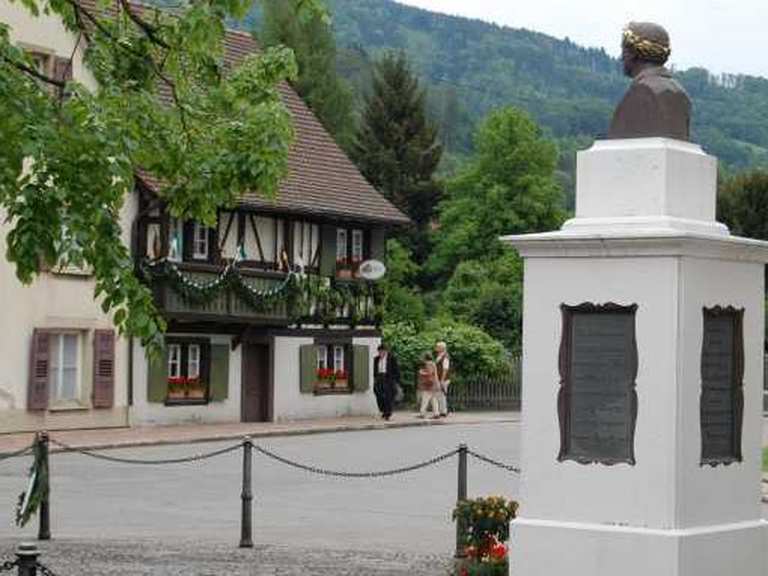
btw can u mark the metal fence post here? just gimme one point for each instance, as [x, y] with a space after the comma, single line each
[44, 528]
[246, 519]
[26, 559]
[461, 495]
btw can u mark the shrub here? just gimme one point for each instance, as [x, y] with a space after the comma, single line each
[472, 351]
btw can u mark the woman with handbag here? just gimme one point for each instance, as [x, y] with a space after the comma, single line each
[428, 385]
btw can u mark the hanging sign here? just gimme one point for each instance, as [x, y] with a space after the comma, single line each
[372, 270]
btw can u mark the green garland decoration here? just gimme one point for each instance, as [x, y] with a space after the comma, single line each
[307, 298]
[29, 500]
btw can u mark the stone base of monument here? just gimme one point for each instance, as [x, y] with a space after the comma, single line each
[642, 374]
[551, 548]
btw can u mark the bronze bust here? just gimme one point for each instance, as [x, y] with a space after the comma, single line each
[655, 104]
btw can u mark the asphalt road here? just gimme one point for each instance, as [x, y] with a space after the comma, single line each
[97, 501]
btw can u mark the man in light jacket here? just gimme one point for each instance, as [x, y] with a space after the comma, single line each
[443, 362]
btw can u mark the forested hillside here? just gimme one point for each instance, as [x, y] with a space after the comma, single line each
[471, 67]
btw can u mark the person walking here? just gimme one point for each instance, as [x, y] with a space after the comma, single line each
[428, 386]
[386, 373]
[443, 365]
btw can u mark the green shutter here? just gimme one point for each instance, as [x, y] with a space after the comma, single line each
[378, 244]
[157, 377]
[328, 254]
[361, 368]
[219, 386]
[308, 365]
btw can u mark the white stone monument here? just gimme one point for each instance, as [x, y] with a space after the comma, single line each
[616, 480]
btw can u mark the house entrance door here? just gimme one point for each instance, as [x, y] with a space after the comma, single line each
[257, 389]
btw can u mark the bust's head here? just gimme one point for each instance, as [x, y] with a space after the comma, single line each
[644, 44]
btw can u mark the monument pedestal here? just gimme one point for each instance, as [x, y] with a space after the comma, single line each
[642, 374]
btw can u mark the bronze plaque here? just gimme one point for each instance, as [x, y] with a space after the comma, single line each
[597, 402]
[722, 397]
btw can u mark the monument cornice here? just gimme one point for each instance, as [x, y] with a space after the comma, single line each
[638, 243]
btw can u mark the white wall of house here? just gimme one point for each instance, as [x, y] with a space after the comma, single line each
[291, 404]
[144, 412]
[59, 301]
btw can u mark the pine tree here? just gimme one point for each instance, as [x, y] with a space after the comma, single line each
[397, 147]
[312, 41]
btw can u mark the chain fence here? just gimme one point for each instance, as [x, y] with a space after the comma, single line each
[26, 567]
[344, 474]
[22, 452]
[158, 462]
[40, 481]
[492, 462]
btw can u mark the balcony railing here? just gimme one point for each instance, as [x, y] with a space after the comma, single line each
[232, 293]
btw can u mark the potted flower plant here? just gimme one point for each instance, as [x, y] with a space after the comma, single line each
[176, 387]
[340, 379]
[325, 378]
[485, 523]
[343, 269]
[195, 388]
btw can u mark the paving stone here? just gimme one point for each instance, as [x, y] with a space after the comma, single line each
[188, 558]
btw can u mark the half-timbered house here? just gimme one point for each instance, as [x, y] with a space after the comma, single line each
[268, 316]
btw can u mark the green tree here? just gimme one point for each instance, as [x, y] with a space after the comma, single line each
[402, 301]
[488, 294]
[314, 46]
[165, 103]
[742, 204]
[397, 147]
[508, 187]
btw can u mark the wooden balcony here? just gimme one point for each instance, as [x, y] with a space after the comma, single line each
[184, 291]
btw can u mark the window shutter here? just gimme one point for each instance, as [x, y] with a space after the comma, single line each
[308, 365]
[187, 244]
[328, 254]
[219, 372]
[214, 254]
[157, 377]
[361, 368]
[62, 71]
[378, 244]
[103, 368]
[39, 370]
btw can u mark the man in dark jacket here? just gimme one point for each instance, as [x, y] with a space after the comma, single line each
[386, 375]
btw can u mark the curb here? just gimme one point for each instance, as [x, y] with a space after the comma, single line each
[373, 426]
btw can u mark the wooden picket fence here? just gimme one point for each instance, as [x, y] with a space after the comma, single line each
[483, 392]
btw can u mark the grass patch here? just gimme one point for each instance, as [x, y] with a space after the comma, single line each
[765, 459]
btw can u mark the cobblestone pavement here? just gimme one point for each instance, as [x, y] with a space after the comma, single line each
[196, 558]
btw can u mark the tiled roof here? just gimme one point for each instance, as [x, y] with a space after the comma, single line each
[322, 181]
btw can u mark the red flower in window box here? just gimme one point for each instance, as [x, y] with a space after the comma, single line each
[325, 373]
[341, 374]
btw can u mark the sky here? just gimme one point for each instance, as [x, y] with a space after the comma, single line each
[721, 35]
